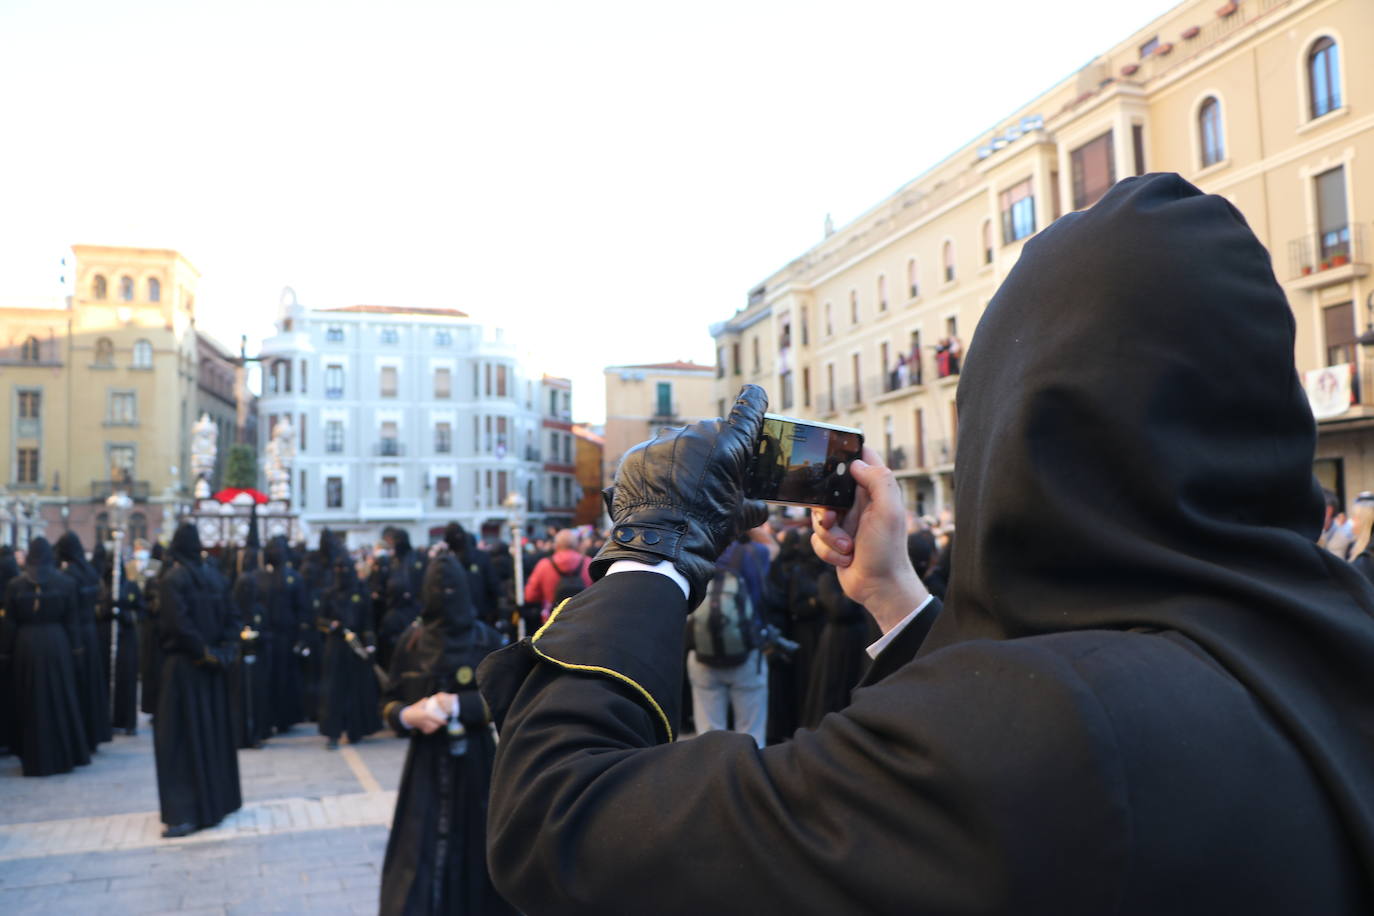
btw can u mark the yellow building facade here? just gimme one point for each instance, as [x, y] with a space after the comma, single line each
[98, 392]
[1269, 103]
[641, 399]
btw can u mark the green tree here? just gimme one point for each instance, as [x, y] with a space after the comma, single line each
[241, 467]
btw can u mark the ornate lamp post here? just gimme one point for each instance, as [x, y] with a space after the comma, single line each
[515, 508]
[118, 505]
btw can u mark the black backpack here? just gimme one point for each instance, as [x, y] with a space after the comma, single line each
[725, 628]
[569, 583]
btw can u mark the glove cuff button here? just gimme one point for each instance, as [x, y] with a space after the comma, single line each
[652, 537]
[625, 535]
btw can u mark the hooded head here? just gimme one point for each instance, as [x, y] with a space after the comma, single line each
[400, 541]
[69, 549]
[1136, 449]
[276, 553]
[456, 537]
[448, 617]
[345, 573]
[40, 554]
[186, 544]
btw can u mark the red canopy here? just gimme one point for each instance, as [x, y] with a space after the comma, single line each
[228, 494]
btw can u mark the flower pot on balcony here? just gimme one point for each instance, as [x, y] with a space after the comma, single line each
[1130, 69]
[1227, 9]
[1191, 32]
[1340, 260]
[1326, 265]
[1306, 269]
[1164, 48]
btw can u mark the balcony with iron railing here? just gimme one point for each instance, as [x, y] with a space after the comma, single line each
[390, 509]
[1328, 258]
[138, 490]
[389, 448]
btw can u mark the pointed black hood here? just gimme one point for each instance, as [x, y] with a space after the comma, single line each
[69, 550]
[39, 554]
[277, 554]
[186, 544]
[1136, 450]
[448, 616]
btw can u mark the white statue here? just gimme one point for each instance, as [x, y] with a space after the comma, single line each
[204, 449]
[281, 449]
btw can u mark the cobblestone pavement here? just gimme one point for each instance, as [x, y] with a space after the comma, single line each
[309, 838]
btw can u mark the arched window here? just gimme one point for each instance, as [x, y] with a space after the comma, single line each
[947, 257]
[154, 289]
[138, 527]
[987, 241]
[29, 353]
[1209, 132]
[911, 281]
[99, 288]
[143, 354]
[126, 289]
[104, 352]
[1323, 77]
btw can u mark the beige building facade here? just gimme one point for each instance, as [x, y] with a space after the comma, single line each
[641, 399]
[1269, 103]
[98, 392]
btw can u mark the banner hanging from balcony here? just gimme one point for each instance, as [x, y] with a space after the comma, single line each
[1329, 390]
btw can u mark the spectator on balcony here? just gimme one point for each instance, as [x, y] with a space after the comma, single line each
[901, 375]
[559, 576]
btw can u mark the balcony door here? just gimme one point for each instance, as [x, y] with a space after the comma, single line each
[1333, 221]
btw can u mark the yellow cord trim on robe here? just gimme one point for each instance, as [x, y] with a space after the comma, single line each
[668, 729]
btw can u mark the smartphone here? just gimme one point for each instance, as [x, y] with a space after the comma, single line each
[803, 463]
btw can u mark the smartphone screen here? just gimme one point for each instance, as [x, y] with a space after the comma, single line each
[803, 463]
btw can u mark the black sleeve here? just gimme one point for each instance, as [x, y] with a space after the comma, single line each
[904, 802]
[176, 623]
[7, 628]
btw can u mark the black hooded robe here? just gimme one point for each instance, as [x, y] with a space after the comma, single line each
[283, 594]
[9, 569]
[348, 698]
[841, 658]
[436, 853]
[37, 634]
[193, 735]
[149, 642]
[124, 711]
[250, 690]
[1150, 690]
[92, 684]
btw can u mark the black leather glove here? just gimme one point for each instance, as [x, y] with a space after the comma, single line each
[680, 496]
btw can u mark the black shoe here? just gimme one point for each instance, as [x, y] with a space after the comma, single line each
[179, 830]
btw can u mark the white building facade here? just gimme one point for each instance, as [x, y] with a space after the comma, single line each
[407, 417]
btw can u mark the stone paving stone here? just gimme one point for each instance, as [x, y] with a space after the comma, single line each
[309, 839]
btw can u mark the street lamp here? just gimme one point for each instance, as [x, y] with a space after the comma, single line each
[515, 508]
[118, 504]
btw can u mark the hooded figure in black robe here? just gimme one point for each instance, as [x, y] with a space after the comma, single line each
[400, 592]
[122, 617]
[283, 594]
[840, 661]
[249, 688]
[436, 853]
[9, 569]
[348, 702]
[483, 584]
[92, 684]
[149, 642]
[316, 579]
[37, 634]
[1150, 691]
[193, 735]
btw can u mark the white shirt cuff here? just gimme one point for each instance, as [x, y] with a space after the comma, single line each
[891, 634]
[663, 567]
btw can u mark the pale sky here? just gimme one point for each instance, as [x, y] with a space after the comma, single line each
[605, 179]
